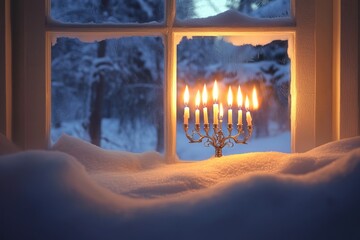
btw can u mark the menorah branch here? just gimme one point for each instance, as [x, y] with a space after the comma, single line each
[218, 140]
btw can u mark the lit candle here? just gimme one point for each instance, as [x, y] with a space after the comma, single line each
[239, 103]
[197, 111]
[230, 101]
[204, 101]
[221, 114]
[186, 102]
[248, 115]
[255, 99]
[215, 105]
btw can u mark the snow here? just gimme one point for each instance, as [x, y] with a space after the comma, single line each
[98, 159]
[133, 140]
[236, 19]
[85, 192]
[279, 141]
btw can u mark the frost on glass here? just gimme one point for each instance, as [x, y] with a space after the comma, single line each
[267, 67]
[188, 9]
[109, 93]
[107, 11]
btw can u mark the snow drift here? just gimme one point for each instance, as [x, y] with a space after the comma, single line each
[53, 195]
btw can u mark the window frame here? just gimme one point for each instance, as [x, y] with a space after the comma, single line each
[5, 70]
[31, 78]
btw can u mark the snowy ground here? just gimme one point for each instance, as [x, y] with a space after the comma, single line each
[80, 191]
[145, 140]
[278, 141]
[141, 139]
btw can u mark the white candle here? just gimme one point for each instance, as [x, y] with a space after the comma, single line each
[230, 101]
[186, 102]
[221, 114]
[206, 118]
[204, 101]
[215, 105]
[248, 118]
[186, 115]
[230, 116]
[216, 113]
[239, 117]
[239, 103]
[197, 111]
[197, 116]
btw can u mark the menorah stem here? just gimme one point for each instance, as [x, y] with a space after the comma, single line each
[218, 152]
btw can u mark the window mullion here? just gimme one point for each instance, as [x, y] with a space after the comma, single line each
[170, 83]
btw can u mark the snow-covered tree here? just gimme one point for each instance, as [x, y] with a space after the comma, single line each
[135, 70]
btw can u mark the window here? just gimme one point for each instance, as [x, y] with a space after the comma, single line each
[115, 88]
[201, 60]
[75, 122]
[310, 51]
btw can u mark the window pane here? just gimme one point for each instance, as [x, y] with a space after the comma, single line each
[267, 68]
[107, 11]
[109, 93]
[187, 9]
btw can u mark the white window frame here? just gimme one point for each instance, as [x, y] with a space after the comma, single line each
[319, 111]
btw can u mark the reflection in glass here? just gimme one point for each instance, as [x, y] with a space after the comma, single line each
[107, 11]
[109, 93]
[187, 9]
[203, 59]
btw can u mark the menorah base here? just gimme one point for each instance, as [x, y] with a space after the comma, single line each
[218, 152]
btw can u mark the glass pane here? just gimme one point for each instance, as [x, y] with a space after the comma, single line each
[266, 68]
[107, 11]
[188, 9]
[109, 93]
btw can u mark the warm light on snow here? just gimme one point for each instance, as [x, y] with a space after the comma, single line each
[85, 192]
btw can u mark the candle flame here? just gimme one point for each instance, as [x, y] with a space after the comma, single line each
[247, 103]
[239, 97]
[204, 95]
[255, 99]
[197, 99]
[230, 97]
[215, 92]
[186, 95]
[221, 111]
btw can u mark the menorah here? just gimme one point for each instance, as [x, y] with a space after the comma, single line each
[218, 139]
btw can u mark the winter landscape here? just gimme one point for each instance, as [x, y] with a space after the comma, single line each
[105, 175]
